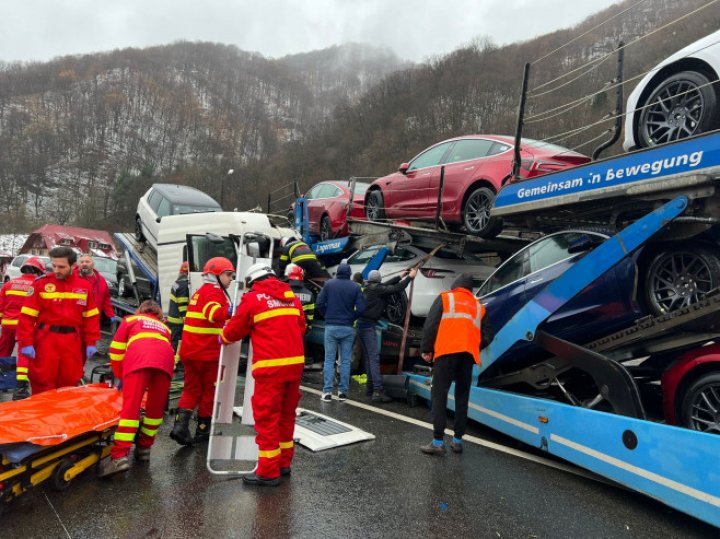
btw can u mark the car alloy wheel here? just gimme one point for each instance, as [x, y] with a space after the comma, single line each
[396, 308]
[701, 404]
[678, 278]
[683, 105]
[375, 206]
[476, 214]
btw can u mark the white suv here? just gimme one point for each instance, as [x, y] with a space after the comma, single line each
[164, 199]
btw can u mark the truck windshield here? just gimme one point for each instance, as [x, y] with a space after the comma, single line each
[203, 249]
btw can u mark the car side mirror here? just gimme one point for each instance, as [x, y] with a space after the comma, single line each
[403, 168]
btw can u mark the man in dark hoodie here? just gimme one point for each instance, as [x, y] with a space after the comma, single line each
[455, 331]
[340, 302]
[377, 294]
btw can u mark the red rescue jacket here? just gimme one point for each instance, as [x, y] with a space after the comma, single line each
[205, 317]
[100, 289]
[12, 298]
[53, 302]
[141, 342]
[273, 317]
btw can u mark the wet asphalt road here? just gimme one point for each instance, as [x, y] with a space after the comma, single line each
[376, 489]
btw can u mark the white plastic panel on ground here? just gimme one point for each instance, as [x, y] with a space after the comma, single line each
[318, 432]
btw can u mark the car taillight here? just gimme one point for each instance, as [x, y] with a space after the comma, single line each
[432, 273]
[542, 167]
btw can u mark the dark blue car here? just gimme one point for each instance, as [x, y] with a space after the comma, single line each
[609, 304]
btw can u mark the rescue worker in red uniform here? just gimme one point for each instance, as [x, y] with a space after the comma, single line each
[208, 310]
[142, 357]
[58, 319]
[273, 317]
[12, 297]
[455, 330]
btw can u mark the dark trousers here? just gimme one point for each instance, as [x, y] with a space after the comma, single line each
[369, 342]
[446, 370]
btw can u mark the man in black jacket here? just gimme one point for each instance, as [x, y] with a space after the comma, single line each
[376, 297]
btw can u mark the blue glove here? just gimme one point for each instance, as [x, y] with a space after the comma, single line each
[116, 319]
[28, 351]
[231, 309]
[90, 351]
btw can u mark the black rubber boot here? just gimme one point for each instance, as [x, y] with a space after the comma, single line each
[181, 429]
[202, 433]
[22, 391]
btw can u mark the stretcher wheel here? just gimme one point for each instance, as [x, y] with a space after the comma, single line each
[58, 477]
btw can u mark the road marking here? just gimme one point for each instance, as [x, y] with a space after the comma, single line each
[474, 440]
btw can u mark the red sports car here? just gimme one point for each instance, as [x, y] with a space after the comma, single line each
[327, 207]
[475, 167]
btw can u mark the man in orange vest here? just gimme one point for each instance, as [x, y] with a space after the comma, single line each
[272, 316]
[454, 332]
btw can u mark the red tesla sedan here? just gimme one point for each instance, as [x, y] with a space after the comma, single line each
[475, 167]
[327, 207]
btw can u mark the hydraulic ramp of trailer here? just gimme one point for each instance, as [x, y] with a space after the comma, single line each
[677, 466]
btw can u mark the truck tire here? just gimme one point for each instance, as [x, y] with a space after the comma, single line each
[139, 236]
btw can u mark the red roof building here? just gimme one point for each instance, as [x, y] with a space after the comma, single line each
[82, 240]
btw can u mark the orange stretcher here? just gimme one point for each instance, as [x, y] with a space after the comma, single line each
[55, 435]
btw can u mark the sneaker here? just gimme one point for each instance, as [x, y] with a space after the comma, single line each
[111, 466]
[457, 447]
[342, 397]
[285, 471]
[258, 480]
[432, 449]
[380, 396]
[142, 454]
[326, 397]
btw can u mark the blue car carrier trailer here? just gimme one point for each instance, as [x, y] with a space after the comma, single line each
[677, 466]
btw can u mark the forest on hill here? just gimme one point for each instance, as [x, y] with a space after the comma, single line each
[82, 137]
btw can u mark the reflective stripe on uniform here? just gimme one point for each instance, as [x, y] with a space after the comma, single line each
[16, 292]
[452, 314]
[91, 312]
[7, 322]
[148, 432]
[280, 362]
[147, 335]
[62, 295]
[276, 312]
[150, 422]
[174, 320]
[21, 370]
[269, 454]
[300, 258]
[181, 299]
[116, 357]
[206, 331]
[118, 345]
[287, 445]
[125, 436]
[22, 377]
[289, 294]
[134, 423]
[29, 311]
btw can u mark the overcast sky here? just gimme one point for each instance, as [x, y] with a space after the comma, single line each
[414, 29]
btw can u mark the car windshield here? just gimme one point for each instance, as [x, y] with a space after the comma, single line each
[183, 208]
[361, 188]
[105, 265]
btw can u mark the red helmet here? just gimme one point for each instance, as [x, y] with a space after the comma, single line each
[33, 265]
[217, 265]
[184, 268]
[294, 272]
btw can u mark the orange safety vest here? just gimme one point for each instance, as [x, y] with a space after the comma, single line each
[459, 329]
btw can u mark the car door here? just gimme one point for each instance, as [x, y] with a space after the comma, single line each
[503, 293]
[149, 215]
[314, 205]
[463, 164]
[407, 195]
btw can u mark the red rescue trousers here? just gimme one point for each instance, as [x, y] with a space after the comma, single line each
[200, 377]
[58, 360]
[157, 384]
[7, 341]
[274, 405]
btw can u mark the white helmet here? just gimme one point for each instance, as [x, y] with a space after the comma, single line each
[257, 271]
[285, 240]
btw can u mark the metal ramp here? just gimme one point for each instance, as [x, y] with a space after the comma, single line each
[318, 432]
